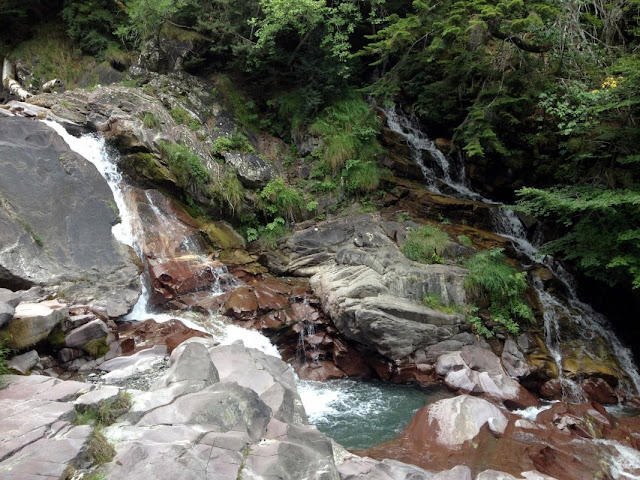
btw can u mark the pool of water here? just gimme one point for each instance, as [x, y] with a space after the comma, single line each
[359, 414]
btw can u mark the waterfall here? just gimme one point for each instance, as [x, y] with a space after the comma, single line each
[589, 323]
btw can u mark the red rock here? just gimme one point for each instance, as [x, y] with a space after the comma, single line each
[241, 304]
[150, 333]
[269, 298]
[320, 371]
[599, 390]
[350, 360]
[551, 390]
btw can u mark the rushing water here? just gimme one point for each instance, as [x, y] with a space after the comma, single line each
[439, 170]
[356, 414]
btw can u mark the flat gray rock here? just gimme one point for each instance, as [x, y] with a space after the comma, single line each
[23, 363]
[33, 322]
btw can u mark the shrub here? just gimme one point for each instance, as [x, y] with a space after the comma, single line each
[465, 241]
[235, 142]
[182, 117]
[426, 244]
[186, 166]
[231, 191]
[4, 352]
[282, 200]
[492, 280]
[349, 131]
[361, 177]
[100, 450]
[149, 120]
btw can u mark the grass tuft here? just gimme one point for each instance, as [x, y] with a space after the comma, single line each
[426, 244]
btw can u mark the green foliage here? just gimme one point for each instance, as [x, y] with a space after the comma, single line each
[434, 301]
[245, 110]
[97, 347]
[361, 177]
[349, 131]
[235, 142]
[492, 280]
[269, 233]
[57, 57]
[106, 413]
[601, 235]
[465, 241]
[99, 448]
[477, 324]
[182, 117]
[91, 23]
[186, 166]
[230, 190]
[4, 353]
[282, 200]
[427, 244]
[150, 120]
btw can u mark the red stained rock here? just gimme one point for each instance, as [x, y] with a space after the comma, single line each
[599, 390]
[241, 304]
[350, 360]
[150, 333]
[269, 298]
[320, 371]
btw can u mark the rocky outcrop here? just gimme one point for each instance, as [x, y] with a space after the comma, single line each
[371, 291]
[56, 217]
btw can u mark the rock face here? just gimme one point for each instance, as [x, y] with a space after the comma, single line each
[223, 412]
[372, 292]
[56, 219]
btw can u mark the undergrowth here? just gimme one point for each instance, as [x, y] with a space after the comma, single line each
[186, 166]
[282, 200]
[493, 282]
[426, 244]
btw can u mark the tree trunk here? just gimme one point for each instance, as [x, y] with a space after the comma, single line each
[10, 83]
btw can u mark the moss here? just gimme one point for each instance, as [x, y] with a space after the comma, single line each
[56, 337]
[97, 347]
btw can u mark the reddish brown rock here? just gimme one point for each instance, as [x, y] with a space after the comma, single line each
[241, 304]
[350, 360]
[269, 298]
[599, 390]
[150, 333]
[320, 371]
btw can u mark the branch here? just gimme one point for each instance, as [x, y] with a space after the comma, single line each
[494, 30]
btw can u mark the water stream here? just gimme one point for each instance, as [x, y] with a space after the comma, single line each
[446, 175]
[358, 414]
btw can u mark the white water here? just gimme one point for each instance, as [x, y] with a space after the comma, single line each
[314, 395]
[590, 323]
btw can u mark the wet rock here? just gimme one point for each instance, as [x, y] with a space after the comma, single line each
[33, 322]
[143, 335]
[23, 363]
[514, 361]
[253, 171]
[57, 229]
[241, 303]
[453, 421]
[79, 337]
[599, 390]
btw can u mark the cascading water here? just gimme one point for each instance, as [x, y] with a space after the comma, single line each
[326, 404]
[588, 323]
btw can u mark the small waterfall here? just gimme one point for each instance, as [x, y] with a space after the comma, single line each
[307, 329]
[589, 323]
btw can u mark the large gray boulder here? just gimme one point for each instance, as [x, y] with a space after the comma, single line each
[372, 292]
[56, 218]
[33, 322]
[80, 336]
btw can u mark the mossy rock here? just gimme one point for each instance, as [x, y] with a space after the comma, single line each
[222, 235]
[144, 167]
[97, 347]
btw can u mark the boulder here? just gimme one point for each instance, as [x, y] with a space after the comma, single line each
[6, 312]
[193, 370]
[23, 363]
[253, 171]
[80, 336]
[94, 399]
[9, 297]
[33, 322]
[223, 407]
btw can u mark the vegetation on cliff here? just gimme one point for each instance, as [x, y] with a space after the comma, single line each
[544, 92]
